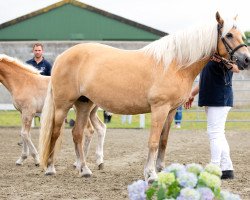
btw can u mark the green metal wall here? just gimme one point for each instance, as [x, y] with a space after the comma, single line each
[70, 22]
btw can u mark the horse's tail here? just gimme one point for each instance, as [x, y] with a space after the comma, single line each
[47, 120]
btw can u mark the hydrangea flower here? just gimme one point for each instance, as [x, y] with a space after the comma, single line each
[166, 178]
[175, 168]
[194, 168]
[136, 191]
[206, 193]
[229, 196]
[209, 180]
[187, 179]
[213, 169]
[183, 183]
[188, 194]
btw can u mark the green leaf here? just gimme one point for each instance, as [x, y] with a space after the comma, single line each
[150, 192]
[174, 190]
[161, 194]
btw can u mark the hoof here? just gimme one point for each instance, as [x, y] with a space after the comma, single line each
[159, 169]
[20, 144]
[85, 172]
[150, 181]
[19, 164]
[50, 171]
[86, 175]
[150, 177]
[101, 166]
[37, 162]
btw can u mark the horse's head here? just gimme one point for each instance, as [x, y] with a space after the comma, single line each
[231, 45]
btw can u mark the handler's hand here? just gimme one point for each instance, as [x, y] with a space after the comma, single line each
[235, 68]
[189, 102]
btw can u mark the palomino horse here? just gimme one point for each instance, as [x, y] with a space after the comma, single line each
[28, 90]
[157, 78]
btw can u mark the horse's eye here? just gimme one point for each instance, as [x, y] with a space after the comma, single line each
[229, 35]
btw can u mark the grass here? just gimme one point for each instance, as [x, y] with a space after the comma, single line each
[192, 119]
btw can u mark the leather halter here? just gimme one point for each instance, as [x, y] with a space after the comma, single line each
[229, 49]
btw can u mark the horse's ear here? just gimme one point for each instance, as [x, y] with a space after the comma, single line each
[219, 19]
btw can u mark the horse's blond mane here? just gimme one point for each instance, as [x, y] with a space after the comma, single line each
[187, 46]
[19, 63]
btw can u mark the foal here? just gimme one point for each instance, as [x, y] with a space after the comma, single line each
[28, 90]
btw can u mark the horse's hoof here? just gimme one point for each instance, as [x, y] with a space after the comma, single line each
[50, 173]
[159, 169]
[86, 175]
[20, 144]
[85, 172]
[101, 166]
[19, 164]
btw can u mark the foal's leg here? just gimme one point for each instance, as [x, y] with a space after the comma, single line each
[27, 142]
[158, 117]
[100, 128]
[25, 150]
[163, 141]
[82, 116]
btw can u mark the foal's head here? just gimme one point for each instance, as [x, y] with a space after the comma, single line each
[231, 45]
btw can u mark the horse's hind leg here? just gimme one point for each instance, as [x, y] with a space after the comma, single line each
[82, 115]
[163, 142]
[100, 128]
[27, 142]
[60, 115]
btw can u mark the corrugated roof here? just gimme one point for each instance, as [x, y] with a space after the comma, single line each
[85, 6]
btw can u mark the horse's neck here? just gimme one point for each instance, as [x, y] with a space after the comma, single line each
[193, 70]
[12, 77]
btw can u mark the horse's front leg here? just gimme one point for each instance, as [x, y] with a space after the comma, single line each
[160, 164]
[158, 117]
[100, 129]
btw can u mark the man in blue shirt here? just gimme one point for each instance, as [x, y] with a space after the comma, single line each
[38, 60]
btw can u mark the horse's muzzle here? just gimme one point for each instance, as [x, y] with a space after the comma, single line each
[243, 62]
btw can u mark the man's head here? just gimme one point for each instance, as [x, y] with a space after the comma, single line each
[38, 50]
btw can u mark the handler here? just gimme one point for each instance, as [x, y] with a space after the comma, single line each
[216, 94]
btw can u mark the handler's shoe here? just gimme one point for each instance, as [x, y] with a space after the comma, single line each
[227, 174]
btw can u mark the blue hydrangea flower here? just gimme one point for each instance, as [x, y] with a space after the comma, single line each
[175, 168]
[206, 193]
[166, 178]
[187, 179]
[194, 168]
[189, 194]
[210, 180]
[136, 191]
[213, 169]
[229, 196]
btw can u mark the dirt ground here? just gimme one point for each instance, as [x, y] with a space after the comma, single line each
[125, 153]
